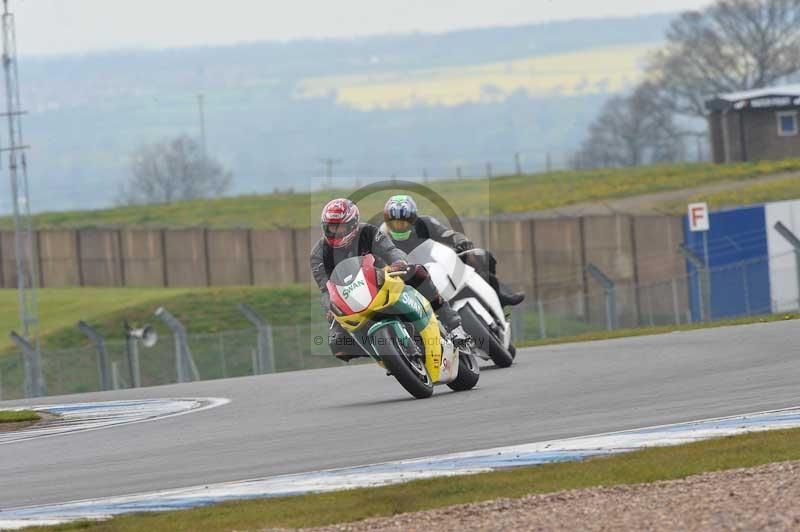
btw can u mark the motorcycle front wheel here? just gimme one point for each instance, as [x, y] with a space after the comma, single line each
[405, 363]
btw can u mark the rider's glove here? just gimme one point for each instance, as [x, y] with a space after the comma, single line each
[398, 266]
[466, 245]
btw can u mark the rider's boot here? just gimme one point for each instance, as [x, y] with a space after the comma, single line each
[452, 322]
[343, 346]
[507, 296]
[450, 319]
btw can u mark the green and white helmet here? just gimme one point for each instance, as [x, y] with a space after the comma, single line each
[400, 215]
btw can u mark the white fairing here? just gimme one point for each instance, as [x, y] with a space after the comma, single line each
[450, 275]
[356, 294]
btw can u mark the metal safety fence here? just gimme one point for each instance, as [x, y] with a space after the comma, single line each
[734, 291]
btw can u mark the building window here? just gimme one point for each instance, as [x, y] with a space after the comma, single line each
[787, 123]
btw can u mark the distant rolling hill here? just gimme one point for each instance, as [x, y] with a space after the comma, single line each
[389, 105]
[595, 71]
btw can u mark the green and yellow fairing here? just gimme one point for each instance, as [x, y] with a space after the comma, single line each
[396, 302]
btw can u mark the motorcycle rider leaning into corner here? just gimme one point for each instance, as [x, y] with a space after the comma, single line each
[344, 237]
[408, 229]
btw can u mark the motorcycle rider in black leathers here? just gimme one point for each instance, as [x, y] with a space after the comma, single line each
[407, 229]
[344, 237]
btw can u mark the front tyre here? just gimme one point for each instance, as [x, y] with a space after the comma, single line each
[468, 373]
[405, 363]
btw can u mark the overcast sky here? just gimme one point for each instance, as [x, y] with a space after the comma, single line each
[47, 27]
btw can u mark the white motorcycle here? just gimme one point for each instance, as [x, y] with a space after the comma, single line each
[472, 297]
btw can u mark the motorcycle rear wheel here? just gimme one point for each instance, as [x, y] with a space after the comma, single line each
[468, 373]
[485, 338]
[405, 363]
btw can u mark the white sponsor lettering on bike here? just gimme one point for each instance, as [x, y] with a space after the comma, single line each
[412, 302]
[349, 288]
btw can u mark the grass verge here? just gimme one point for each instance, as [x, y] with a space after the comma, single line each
[203, 310]
[752, 194]
[782, 189]
[18, 416]
[649, 465]
[471, 197]
[647, 331]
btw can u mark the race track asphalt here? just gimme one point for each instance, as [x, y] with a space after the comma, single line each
[310, 420]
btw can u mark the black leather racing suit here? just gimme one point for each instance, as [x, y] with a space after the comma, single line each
[369, 239]
[429, 227]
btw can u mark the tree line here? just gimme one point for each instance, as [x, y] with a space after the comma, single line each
[730, 46]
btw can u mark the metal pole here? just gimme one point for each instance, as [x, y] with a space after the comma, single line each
[115, 375]
[27, 275]
[329, 162]
[704, 297]
[786, 233]
[707, 274]
[516, 325]
[180, 367]
[201, 109]
[266, 359]
[102, 355]
[189, 359]
[675, 306]
[185, 367]
[132, 348]
[611, 294]
[542, 320]
[221, 342]
[611, 309]
[254, 361]
[34, 383]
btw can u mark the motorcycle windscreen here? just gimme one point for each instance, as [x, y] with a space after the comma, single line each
[354, 284]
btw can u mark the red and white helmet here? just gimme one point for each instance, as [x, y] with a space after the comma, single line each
[339, 223]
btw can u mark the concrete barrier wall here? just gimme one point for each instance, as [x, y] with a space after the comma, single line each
[58, 258]
[229, 255]
[273, 256]
[186, 256]
[8, 258]
[100, 258]
[305, 239]
[544, 257]
[656, 238]
[559, 255]
[608, 244]
[511, 244]
[143, 257]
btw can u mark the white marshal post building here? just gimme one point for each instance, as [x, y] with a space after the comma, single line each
[755, 125]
